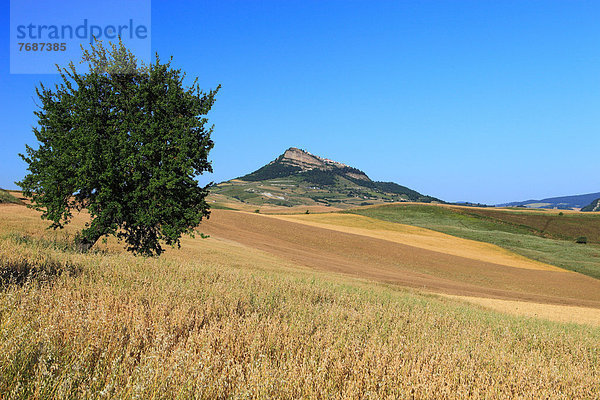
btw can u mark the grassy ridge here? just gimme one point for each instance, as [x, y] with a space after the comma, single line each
[6, 197]
[510, 233]
[239, 325]
[219, 206]
[568, 226]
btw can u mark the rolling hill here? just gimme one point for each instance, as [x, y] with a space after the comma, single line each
[563, 202]
[291, 306]
[298, 177]
[594, 206]
[545, 236]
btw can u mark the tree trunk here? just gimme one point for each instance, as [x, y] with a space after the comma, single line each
[84, 244]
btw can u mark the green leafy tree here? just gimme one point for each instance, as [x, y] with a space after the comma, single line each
[124, 141]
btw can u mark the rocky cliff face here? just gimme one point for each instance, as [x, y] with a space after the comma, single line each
[301, 159]
[306, 161]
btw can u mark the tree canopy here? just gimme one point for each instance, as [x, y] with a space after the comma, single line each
[124, 141]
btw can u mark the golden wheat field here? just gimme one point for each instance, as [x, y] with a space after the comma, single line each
[226, 317]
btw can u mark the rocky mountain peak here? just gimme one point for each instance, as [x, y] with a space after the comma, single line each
[306, 161]
[302, 159]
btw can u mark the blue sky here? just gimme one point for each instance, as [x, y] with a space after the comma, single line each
[485, 101]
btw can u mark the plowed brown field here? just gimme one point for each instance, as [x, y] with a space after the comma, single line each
[419, 237]
[391, 262]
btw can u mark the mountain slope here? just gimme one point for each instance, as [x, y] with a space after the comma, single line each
[563, 202]
[296, 161]
[298, 177]
[595, 206]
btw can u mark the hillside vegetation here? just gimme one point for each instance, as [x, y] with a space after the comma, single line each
[331, 178]
[300, 178]
[594, 206]
[554, 225]
[6, 197]
[545, 237]
[217, 320]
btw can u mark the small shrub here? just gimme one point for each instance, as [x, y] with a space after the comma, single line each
[203, 236]
[307, 212]
[257, 211]
[581, 240]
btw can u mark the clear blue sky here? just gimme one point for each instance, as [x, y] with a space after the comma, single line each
[485, 101]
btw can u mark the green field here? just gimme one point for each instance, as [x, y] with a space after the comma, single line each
[569, 226]
[518, 231]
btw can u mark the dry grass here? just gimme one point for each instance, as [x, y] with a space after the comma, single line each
[551, 312]
[224, 321]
